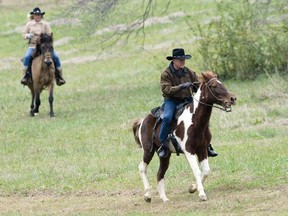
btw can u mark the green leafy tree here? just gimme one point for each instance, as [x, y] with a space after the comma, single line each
[246, 39]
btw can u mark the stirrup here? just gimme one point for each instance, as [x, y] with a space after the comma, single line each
[27, 79]
[211, 152]
[60, 81]
[163, 151]
[24, 81]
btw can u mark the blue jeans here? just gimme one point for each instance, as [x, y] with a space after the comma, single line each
[28, 57]
[169, 111]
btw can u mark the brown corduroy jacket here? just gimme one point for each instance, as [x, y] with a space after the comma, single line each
[170, 82]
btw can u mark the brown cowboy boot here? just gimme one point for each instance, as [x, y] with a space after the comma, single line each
[163, 151]
[59, 77]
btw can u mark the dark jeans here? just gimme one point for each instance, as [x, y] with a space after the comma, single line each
[28, 58]
[169, 111]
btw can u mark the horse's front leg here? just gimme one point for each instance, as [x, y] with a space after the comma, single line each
[164, 164]
[205, 169]
[204, 164]
[37, 101]
[193, 162]
[50, 99]
[32, 103]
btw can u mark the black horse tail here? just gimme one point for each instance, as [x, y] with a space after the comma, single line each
[136, 126]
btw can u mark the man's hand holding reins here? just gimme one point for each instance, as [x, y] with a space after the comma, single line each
[186, 85]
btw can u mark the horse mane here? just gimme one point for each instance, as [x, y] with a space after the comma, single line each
[206, 75]
[44, 38]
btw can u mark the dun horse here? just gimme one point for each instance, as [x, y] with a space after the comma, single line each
[43, 73]
[191, 132]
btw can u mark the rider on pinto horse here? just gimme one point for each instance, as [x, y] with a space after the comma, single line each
[32, 31]
[176, 81]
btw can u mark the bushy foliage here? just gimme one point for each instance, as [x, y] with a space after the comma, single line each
[246, 39]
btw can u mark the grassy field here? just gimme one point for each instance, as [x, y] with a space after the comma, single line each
[84, 161]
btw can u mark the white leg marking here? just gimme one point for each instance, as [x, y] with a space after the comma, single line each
[193, 161]
[161, 191]
[205, 169]
[143, 173]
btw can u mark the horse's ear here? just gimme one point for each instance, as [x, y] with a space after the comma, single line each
[205, 76]
[200, 78]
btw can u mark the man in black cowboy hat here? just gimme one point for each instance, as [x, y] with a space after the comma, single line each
[176, 81]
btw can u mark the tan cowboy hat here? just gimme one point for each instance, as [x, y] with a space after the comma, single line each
[178, 53]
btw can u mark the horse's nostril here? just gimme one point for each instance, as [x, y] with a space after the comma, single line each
[48, 63]
[233, 99]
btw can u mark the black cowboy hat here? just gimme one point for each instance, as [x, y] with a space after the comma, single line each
[37, 10]
[178, 53]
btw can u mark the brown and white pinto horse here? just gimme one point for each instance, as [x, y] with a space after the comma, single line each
[43, 73]
[191, 131]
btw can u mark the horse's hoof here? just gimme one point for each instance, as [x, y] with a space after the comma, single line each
[192, 188]
[32, 114]
[165, 200]
[203, 198]
[52, 115]
[147, 199]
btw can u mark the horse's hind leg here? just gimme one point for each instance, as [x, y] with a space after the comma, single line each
[147, 157]
[164, 164]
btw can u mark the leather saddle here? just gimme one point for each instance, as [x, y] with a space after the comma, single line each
[158, 113]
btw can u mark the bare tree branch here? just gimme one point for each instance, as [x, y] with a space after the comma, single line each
[94, 13]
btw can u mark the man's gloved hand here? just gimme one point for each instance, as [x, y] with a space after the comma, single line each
[29, 35]
[186, 85]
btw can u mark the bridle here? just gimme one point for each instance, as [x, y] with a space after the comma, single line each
[228, 109]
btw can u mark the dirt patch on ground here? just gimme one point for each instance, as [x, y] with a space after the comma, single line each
[263, 201]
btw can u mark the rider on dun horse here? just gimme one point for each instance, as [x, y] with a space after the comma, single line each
[31, 32]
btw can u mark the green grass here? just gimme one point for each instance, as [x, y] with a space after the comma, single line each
[85, 159]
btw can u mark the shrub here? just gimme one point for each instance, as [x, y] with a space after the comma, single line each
[246, 39]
